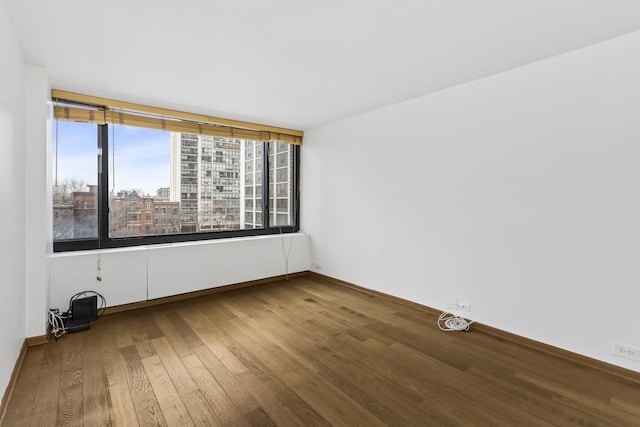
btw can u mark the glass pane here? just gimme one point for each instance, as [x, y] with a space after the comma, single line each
[75, 189]
[168, 182]
[281, 184]
[252, 206]
[164, 182]
[140, 192]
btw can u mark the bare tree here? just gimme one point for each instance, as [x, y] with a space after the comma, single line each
[65, 189]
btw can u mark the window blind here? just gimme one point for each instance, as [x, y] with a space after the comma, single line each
[88, 109]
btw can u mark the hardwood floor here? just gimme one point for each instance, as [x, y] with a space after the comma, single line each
[304, 352]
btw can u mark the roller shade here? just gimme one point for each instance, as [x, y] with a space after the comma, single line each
[74, 114]
[147, 117]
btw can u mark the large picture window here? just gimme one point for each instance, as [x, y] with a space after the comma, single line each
[126, 177]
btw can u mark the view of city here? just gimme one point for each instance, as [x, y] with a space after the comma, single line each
[202, 183]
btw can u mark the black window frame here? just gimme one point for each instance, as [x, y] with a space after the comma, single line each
[103, 241]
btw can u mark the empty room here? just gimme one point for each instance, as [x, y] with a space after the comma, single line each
[346, 213]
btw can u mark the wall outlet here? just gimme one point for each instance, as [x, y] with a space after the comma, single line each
[626, 351]
[460, 305]
[464, 306]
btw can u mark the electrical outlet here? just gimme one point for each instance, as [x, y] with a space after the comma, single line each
[460, 305]
[464, 306]
[626, 351]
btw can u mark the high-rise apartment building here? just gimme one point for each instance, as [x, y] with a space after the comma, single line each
[219, 182]
[280, 184]
[163, 193]
[251, 209]
[281, 177]
[205, 179]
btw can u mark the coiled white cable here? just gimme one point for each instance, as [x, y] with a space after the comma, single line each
[452, 322]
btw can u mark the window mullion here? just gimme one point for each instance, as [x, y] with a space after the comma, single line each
[296, 188]
[265, 186]
[103, 185]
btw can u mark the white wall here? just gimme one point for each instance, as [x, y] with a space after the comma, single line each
[37, 171]
[517, 193]
[12, 191]
[123, 273]
[147, 272]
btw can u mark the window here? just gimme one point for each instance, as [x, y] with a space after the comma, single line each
[126, 177]
[74, 180]
[281, 191]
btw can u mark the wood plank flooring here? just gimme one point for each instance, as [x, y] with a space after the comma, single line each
[304, 352]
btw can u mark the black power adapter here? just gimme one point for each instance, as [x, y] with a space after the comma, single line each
[83, 311]
[85, 308]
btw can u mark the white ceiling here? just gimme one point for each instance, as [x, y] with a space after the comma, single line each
[297, 63]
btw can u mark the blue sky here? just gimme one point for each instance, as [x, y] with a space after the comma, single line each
[142, 156]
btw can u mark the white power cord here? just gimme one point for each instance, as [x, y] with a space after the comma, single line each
[452, 322]
[58, 323]
[286, 253]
